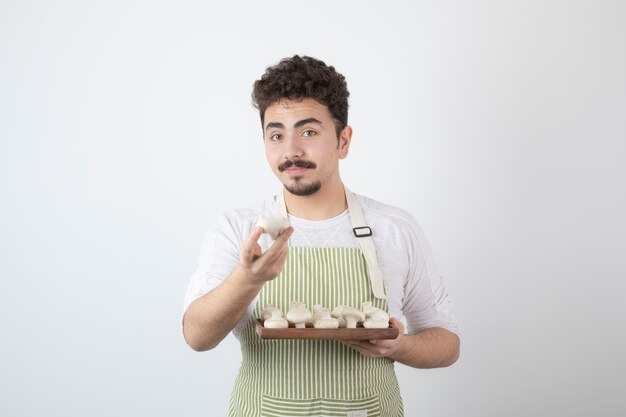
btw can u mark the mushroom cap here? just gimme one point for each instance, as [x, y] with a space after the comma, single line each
[268, 311]
[298, 313]
[273, 225]
[353, 313]
[276, 315]
[320, 312]
[379, 315]
[365, 306]
[279, 323]
[374, 312]
[337, 311]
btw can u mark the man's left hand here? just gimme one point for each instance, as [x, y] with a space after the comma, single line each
[379, 347]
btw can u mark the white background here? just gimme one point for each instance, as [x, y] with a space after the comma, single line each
[126, 127]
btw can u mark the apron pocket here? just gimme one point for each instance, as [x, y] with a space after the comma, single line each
[320, 407]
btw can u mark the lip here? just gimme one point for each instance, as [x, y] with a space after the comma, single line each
[295, 170]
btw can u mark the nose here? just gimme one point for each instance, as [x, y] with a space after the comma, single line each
[293, 147]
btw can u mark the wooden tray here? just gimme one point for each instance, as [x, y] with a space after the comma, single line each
[360, 333]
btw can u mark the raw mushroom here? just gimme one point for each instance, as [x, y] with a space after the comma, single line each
[348, 317]
[319, 311]
[266, 313]
[352, 317]
[378, 315]
[276, 321]
[375, 318]
[273, 225]
[367, 307]
[299, 315]
[370, 323]
[336, 313]
[324, 320]
[371, 311]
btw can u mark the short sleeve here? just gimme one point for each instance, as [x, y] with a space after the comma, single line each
[426, 303]
[219, 256]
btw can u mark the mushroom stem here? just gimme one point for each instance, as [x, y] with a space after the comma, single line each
[350, 322]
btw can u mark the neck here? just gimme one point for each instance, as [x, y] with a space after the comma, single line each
[326, 203]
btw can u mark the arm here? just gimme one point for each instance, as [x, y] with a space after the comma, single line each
[424, 302]
[431, 348]
[210, 318]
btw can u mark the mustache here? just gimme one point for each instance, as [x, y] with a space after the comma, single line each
[300, 163]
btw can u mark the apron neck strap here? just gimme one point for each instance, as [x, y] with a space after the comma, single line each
[280, 209]
[362, 233]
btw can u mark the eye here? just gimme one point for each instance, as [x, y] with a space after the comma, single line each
[276, 137]
[309, 133]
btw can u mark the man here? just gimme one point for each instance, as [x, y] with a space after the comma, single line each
[324, 258]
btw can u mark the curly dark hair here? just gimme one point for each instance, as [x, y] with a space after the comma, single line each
[301, 77]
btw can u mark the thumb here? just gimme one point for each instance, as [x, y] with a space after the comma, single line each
[397, 324]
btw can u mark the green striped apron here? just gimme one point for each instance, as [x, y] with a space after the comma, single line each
[314, 378]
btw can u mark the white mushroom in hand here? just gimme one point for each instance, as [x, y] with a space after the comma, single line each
[273, 226]
[298, 314]
[276, 321]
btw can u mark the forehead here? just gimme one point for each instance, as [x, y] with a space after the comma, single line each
[289, 111]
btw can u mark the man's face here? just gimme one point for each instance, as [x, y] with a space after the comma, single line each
[301, 145]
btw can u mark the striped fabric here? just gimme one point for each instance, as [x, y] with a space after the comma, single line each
[318, 407]
[314, 378]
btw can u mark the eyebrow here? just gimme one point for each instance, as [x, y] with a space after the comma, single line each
[299, 123]
[307, 121]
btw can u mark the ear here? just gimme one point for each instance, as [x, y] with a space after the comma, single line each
[344, 142]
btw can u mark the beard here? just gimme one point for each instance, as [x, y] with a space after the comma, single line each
[304, 190]
[298, 188]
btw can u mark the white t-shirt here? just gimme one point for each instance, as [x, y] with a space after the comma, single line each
[413, 285]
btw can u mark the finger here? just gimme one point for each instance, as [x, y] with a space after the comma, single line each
[357, 344]
[273, 256]
[250, 249]
[249, 246]
[279, 247]
[281, 259]
[353, 344]
[279, 264]
[284, 235]
[381, 346]
[363, 349]
[282, 242]
[253, 237]
[397, 324]
[271, 262]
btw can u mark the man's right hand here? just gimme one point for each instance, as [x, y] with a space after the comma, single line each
[261, 267]
[211, 317]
